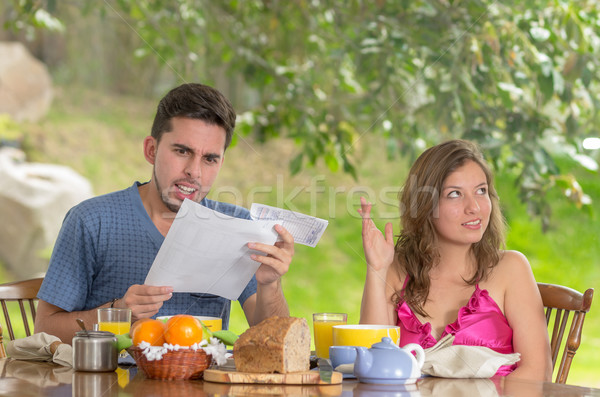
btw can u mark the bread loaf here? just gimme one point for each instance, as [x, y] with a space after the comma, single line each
[277, 344]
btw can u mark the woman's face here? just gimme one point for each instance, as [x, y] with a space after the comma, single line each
[464, 207]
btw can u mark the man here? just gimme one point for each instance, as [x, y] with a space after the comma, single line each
[107, 244]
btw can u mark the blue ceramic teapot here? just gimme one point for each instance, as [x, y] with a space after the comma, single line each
[386, 363]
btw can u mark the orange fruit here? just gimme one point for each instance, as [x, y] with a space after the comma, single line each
[183, 330]
[136, 324]
[149, 330]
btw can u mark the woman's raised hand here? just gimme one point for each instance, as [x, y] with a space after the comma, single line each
[379, 250]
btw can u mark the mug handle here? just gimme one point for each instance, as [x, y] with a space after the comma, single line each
[420, 353]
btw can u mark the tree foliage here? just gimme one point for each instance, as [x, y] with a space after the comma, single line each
[519, 77]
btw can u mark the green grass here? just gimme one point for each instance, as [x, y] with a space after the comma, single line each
[101, 138]
[16, 321]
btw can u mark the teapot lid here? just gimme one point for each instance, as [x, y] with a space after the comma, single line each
[386, 343]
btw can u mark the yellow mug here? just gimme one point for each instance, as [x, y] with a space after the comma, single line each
[212, 323]
[364, 334]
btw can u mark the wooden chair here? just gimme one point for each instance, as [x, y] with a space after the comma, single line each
[23, 292]
[562, 301]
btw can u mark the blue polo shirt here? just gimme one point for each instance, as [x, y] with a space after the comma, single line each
[108, 243]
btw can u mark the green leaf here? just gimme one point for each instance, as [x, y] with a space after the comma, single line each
[558, 82]
[587, 162]
[296, 164]
[225, 336]
[349, 168]
[586, 77]
[546, 86]
[44, 20]
[562, 183]
[123, 342]
[332, 162]
[539, 34]
[206, 333]
[571, 125]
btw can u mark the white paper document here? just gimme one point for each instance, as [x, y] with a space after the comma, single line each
[206, 251]
[306, 229]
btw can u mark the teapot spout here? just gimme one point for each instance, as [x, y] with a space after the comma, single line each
[363, 362]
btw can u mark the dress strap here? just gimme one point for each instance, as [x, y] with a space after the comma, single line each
[404, 286]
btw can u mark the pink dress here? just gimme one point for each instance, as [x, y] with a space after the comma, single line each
[480, 323]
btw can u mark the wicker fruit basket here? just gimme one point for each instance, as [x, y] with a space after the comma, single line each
[175, 365]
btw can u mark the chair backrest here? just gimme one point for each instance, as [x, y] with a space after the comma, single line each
[24, 293]
[564, 306]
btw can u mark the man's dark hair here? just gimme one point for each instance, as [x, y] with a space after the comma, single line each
[194, 101]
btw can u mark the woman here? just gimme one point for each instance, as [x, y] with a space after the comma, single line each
[447, 273]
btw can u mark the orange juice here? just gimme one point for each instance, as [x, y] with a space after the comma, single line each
[116, 327]
[324, 336]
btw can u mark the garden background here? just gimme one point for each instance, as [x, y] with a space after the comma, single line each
[320, 126]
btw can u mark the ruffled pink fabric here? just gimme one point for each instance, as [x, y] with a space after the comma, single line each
[480, 323]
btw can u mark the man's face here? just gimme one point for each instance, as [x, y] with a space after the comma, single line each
[186, 160]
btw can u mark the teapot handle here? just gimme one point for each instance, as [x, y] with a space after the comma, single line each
[420, 353]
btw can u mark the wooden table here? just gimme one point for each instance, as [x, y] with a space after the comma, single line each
[25, 378]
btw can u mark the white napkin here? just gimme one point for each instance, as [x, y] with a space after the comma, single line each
[459, 361]
[345, 368]
[41, 347]
[432, 387]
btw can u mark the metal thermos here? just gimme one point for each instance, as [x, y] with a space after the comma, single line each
[95, 351]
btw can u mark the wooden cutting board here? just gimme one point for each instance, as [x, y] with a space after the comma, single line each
[292, 378]
[267, 389]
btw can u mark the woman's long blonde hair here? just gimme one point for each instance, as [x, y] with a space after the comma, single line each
[416, 248]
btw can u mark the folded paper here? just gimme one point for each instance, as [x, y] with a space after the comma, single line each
[206, 251]
[305, 229]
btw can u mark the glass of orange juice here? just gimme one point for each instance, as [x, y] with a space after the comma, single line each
[323, 326]
[117, 321]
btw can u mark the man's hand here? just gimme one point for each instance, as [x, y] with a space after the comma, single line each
[269, 299]
[144, 300]
[278, 259]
